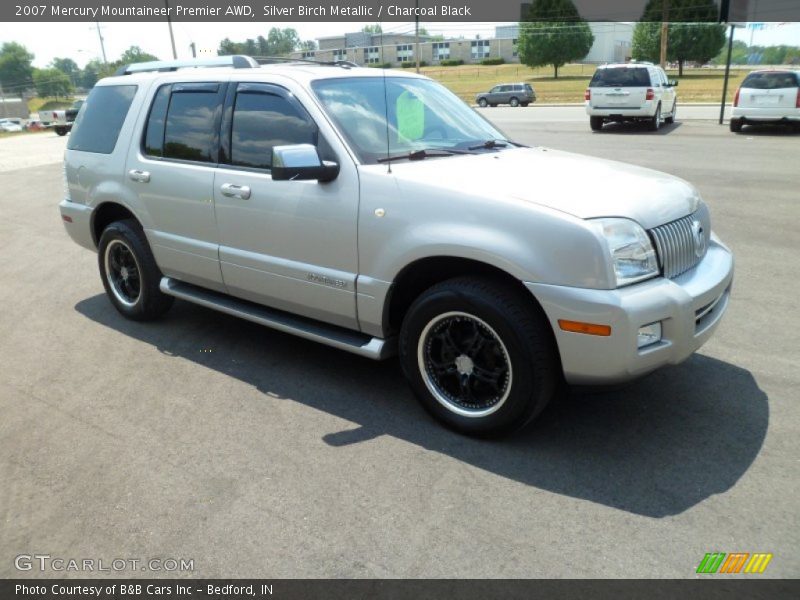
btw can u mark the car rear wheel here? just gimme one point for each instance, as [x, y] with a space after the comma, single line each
[479, 356]
[129, 272]
[514, 102]
[483, 103]
[655, 122]
[596, 123]
[671, 118]
[736, 125]
[62, 131]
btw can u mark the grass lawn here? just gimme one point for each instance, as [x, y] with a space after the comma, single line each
[696, 85]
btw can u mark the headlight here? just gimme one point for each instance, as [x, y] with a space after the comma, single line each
[632, 252]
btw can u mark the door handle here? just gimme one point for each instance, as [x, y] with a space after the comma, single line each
[235, 191]
[140, 176]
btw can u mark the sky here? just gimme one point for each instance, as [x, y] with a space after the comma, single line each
[80, 41]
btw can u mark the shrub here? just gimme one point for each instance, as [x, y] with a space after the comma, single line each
[493, 61]
[385, 65]
[451, 62]
[410, 64]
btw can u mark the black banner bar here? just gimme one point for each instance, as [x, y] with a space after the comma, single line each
[393, 589]
[368, 10]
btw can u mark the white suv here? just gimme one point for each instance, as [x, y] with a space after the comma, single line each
[767, 97]
[631, 92]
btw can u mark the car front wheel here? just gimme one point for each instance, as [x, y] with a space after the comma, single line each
[129, 272]
[479, 356]
[671, 118]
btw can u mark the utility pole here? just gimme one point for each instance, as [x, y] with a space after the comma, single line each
[727, 74]
[416, 34]
[171, 36]
[102, 45]
[664, 32]
[3, 101]
[194, 49]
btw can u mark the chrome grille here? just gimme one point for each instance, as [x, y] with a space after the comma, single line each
[676, 247]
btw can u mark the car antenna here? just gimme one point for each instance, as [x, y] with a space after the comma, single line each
[386, 109]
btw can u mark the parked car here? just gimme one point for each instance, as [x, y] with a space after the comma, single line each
[515, 94]
[767, 97]
[631, 92]
[379, 214]
[10, 125]
[61, 120]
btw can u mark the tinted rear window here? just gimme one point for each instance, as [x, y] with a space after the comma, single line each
[770, 81]
[98, 125]
[621, 77]
[190, 132]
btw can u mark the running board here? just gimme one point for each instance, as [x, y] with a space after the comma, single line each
[330, 335]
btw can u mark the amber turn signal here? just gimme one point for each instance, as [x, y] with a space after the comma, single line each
[587, 328]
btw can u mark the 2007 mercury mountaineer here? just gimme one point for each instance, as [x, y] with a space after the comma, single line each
[377, 213]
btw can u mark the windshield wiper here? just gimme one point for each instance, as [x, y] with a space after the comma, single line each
[422, 154]
[489, 144]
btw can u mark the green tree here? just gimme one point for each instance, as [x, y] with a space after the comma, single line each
[282, 41]
[376, 28]
[90, 73]
[16, 69]
[51, 83]
[553, 33]
[135, 54]
[691, 35]
[278, 42]
[69, 67]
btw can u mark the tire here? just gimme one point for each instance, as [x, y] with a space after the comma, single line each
[671, 118]
[514, 102]
[61, 131]
[596, 123]
[483, 103]
[654, 123]
[479, 356]
[129, 272]
[736, 125]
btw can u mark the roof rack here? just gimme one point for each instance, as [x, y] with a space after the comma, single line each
[269, 60]
[237, 61]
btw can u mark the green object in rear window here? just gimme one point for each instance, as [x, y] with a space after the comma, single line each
[410, 116]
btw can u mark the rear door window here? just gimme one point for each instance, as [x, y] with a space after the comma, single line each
[191, 130]
[770, 81]
[621, 77]
[97, 126]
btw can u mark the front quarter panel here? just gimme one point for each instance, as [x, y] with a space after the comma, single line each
[403, 221]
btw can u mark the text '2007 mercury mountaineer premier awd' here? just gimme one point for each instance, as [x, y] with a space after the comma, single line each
[377, 213]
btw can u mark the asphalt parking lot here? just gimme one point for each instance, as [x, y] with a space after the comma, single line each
[255, 453]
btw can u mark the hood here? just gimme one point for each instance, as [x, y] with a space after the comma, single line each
[579, 185]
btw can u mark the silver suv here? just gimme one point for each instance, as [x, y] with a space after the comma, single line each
[284, 195]
[514, 94]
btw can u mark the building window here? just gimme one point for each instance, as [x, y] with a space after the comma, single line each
[480, 49]
[405, 53]
[309, 54]
[372, 55]
[441, 50]
[339, 55]
[514, 47]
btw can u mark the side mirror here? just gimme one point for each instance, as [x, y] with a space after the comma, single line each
[673, 83]
[300, 162]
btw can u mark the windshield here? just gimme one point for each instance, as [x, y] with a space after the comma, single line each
[422, 115]
[621, 77]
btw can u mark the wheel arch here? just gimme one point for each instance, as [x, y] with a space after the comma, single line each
[105, 214]
[424, 273]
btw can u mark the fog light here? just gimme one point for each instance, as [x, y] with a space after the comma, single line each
[648, 334]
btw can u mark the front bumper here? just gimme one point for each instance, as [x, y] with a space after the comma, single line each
[680, 304]
[77, 219]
